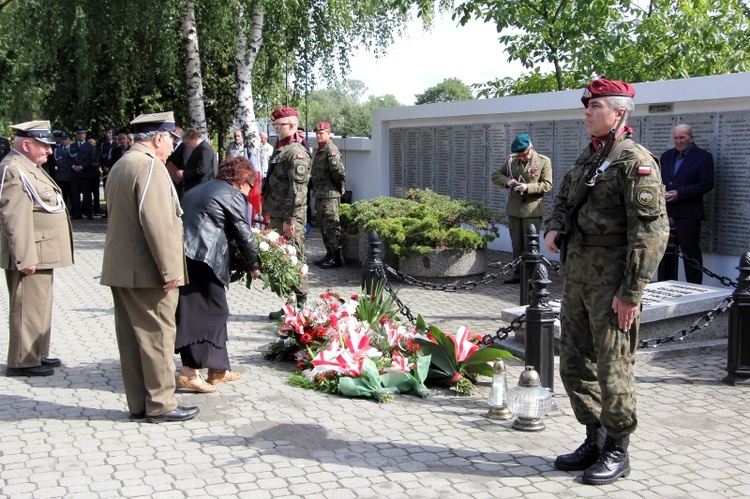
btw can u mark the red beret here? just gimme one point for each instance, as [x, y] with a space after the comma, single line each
[606, 88]
[321, 125]
[283, 112]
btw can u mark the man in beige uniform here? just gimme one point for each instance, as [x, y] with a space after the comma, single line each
[144, 264]
[36, 238]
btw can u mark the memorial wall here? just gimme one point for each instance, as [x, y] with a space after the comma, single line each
[458, 161]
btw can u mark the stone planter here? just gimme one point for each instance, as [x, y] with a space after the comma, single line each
[445, 263]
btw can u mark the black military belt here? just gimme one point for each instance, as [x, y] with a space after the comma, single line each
[608, 240]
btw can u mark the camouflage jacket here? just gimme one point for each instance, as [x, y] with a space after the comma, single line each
[328, 172]
[622, 226]
[288, 175]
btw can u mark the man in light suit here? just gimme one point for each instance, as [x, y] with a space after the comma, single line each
[36, 238]
[528, 176]
[144, 264]
[687, 171]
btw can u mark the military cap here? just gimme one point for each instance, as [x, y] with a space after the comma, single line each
[109, 127]
[64, 135]
[79, 129]
[56, 133]
[322, 125]
[521, 143]
[283, 112]
[38, 130]
[606, 88]
[155, 122]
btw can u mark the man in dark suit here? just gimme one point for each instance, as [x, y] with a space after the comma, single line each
[688, 173]
[85, 168]
[177, 162]
[200, 166]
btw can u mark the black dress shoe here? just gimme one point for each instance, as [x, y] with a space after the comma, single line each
[29, 371]
[51, 362]
[274, 316]
[180, 413]
[332, 263]
[138, 416]
[512, 280]
[323, 259]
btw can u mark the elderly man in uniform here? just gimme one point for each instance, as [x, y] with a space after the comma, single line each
[621, 235]
[285, 190]
[144, 264]
[528, 176]
[36, 238]
[328, 176]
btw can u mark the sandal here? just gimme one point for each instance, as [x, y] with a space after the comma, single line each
[220, 376]
[195, 383]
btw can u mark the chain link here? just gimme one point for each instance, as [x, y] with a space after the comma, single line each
[701, 322]
[696, 264]
[554, 266]
[379, 272]
[449, 288]
[503, 331]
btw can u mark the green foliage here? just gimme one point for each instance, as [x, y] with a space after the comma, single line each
[372, 308]
[450, 90]
[425, 221]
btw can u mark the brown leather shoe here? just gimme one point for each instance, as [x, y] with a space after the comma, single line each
[220, 376]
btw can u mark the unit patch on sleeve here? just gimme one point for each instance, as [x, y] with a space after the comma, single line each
[646, 196]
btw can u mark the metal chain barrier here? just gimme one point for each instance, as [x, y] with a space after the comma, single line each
[451, 287]
[696, 264]
[554, 266]
[700, 323]
[402, 307]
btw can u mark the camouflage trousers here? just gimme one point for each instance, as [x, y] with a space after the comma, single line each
[597, 358]
[327, 210]
[301, 291]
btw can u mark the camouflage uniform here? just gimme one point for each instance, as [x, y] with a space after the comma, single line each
[286, 198]
[525, 208]
[328, 175]
[622, 237]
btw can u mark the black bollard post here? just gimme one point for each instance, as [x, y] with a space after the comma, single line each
[669, 269]
[540, 328]
[372, 267]
[530, 258]
[738, 349]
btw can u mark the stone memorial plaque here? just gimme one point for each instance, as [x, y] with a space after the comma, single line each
[497, 152]
[568, 145]
[441, 173]
[397, 162]
[730, 234]
[411, 168]
[477, 163]
[704, 129]
[543, 137]
[425, 160]
[656, 133]
[516, 128]
[459, 162]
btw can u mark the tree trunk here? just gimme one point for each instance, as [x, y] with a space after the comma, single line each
[193, 69]
[248, 47]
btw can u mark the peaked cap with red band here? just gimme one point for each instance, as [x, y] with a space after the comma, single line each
[283, 112]
[606, 88]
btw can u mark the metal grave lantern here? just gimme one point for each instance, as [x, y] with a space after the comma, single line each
[498, 393]
[529, 401]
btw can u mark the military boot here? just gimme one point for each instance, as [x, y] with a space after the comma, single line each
[333, 262]
[611, 465]
[325, 258]
[585, 455]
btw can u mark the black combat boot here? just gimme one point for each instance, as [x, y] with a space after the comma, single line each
[324, 259]
[612, 464]
[586, 455]
[333, 262]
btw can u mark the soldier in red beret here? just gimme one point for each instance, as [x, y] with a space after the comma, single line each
[285, 190]
[328, 176]
[616, 232]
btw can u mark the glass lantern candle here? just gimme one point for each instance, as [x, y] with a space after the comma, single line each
[498, 393]
[529, 401]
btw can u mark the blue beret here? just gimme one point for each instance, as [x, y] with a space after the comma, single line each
[521, 143]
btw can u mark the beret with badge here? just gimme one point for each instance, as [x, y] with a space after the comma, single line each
[606, 88]
[284, 112]
[322, 125]
[521, 143]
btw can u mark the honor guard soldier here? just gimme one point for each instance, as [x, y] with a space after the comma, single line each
[611, 211]
[36, 238]
[328, 176]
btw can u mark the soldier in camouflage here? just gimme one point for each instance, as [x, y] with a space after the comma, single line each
[621, 235]
[328, 175]
[285, 190]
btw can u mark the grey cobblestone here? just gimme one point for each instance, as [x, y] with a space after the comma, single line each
[68, 435]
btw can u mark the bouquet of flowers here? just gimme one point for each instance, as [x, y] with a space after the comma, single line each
[280, 266]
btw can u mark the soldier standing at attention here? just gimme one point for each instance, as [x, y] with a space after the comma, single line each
[36, 238]
[285, 190]
[528, 175]
[621, 235]
[328, 176]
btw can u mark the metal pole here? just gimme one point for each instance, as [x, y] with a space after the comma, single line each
[372, 267]
[669, 269]
[540, 328]
[530, 258]
[738, 349]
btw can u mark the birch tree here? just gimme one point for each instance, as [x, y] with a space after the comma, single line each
[193, 78]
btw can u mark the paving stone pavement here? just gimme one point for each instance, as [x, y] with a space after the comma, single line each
[68, 435]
